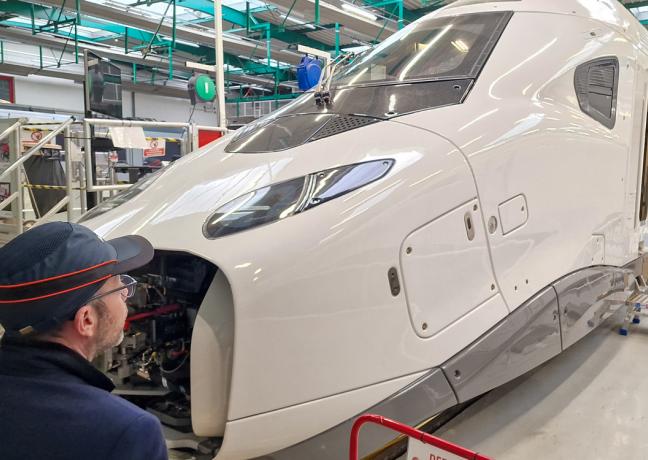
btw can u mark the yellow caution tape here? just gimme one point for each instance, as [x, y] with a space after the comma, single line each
[45, 187]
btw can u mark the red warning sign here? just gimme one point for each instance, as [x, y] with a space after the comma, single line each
[417, 450]
[36, 136]
[156, 148]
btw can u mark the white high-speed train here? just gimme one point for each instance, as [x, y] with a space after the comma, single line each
[467, 206]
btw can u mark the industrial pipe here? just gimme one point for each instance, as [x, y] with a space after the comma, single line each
[220, 74]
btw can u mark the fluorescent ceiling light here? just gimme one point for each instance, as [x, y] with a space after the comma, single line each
[182, 42]
[356, 49]
[359, 11]
[461, 46]
[299, 21]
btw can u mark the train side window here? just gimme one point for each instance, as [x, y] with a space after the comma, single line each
[597, 84]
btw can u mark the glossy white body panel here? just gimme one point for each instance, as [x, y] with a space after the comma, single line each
[597, 247]
[284, 288]
[317, 334]
[212, 345]
[435, 296]
[528, 136]
[513, 214]
[258, 435]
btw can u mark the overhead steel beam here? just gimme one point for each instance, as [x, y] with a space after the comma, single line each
[129, 34]
[229, 14]
[240, 18]
[247, 66]
[635, 4]
[25, 37]
[231, 44]
[24, 70]
[46, 13]
[407, 15]
[332, 13]
[119, 31]
[432, 6]
[297, 35]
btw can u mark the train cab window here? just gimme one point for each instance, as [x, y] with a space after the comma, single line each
[444, 48]
[597, 83]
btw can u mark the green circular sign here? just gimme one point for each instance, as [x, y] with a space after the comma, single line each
[205, 88]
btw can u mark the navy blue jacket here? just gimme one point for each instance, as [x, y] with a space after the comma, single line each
[55, 405]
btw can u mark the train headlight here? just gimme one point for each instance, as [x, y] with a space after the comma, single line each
[294, 196]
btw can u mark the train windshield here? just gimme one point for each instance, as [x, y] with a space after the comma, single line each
[430, 49]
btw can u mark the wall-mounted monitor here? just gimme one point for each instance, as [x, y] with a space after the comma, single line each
[103, 90]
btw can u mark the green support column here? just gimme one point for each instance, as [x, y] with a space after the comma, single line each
[76, 44]
[247, 17]
[76, 31]
[276, 87]
[317, 13]
[337, 39]
[171, 60]
[134, 73]
[173, 32]
[238, 102]
[40, 56]
[33, 17]
[268, 40]
[400, 14]
[1, 52]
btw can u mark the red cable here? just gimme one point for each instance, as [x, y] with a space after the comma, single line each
[163, 310]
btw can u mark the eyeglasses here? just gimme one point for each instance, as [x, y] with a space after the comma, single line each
[127, 289]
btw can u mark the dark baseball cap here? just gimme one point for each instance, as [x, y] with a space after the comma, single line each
[52, 270]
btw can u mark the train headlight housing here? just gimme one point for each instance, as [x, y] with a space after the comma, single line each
[284, 199]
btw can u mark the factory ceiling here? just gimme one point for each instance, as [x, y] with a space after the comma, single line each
[160, 37]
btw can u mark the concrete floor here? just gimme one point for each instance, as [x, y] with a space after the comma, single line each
[590, 402]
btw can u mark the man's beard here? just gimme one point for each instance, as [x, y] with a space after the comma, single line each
[109, 334]
[108, 337]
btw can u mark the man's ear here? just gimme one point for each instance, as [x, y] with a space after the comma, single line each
[86, 321]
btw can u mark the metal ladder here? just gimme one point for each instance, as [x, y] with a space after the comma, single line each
[15, 214]
[13, 177]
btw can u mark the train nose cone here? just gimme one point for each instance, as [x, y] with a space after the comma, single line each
[295, 281]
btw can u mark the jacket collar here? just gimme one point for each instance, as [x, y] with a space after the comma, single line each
[30, 358]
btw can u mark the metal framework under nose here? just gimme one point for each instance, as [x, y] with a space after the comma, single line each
[544, 326]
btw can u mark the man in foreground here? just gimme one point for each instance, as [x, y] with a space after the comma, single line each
[62, 302]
